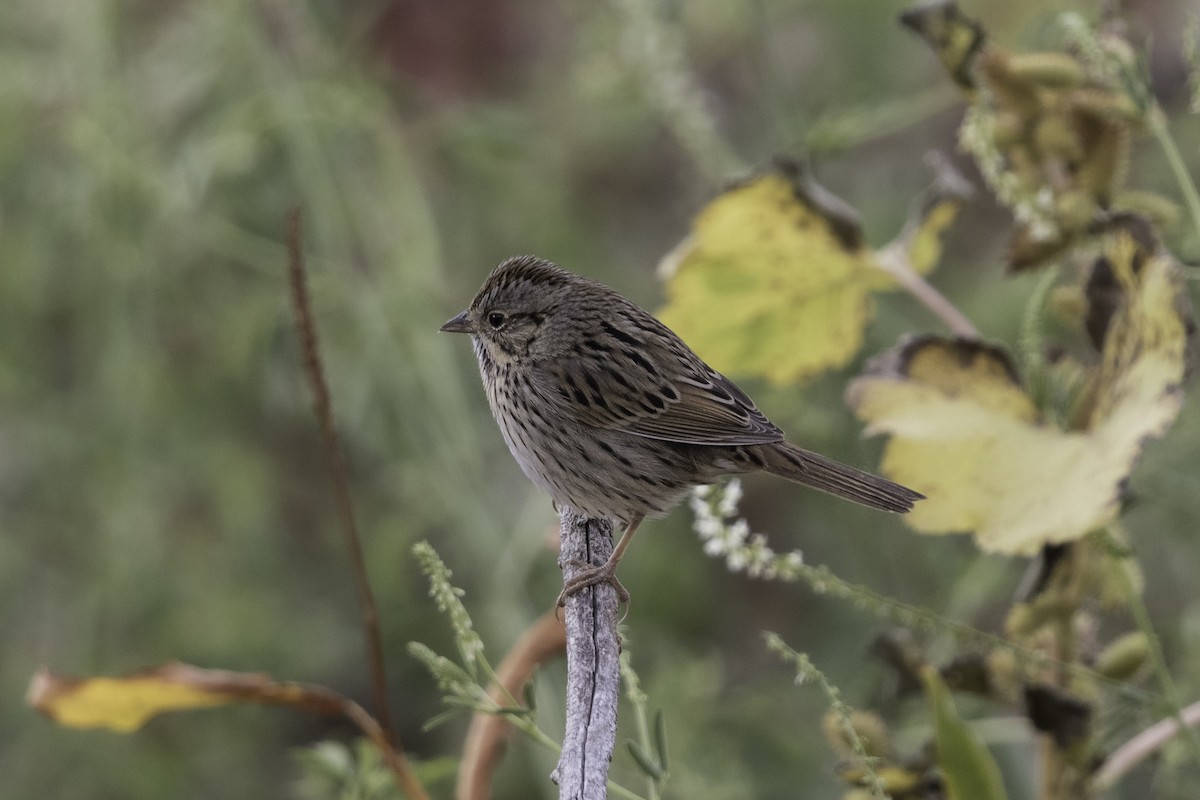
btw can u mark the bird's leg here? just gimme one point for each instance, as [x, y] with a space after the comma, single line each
[606, 572]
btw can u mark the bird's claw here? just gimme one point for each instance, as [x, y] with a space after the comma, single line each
[590, 576]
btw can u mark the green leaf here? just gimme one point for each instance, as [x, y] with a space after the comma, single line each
[969, 769]
[645, 761]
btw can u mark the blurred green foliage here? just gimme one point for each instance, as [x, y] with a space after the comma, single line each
[162, 491]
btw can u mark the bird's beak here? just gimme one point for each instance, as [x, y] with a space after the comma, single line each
[459, 324]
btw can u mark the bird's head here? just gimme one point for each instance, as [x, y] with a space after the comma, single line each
[521, 307]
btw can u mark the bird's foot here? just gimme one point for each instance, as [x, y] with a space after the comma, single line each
[590, 576]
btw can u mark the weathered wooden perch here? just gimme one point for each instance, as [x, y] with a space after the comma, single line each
[593, 671]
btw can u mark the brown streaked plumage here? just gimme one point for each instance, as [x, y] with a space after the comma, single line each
[610, 412]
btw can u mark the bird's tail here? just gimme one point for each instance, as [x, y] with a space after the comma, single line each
[802, 466]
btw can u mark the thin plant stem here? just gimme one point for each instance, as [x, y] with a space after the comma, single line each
[1031, 336]
[621, 791]
[1140, 747]
[637, 699]
[894, 261]
[1158, 661]
[488, 732]
[393, 754]
[806, 670]
[750, 554]
[323, 408]
[643, 731]
[1157, 121]
[841, 130]
[657, 51]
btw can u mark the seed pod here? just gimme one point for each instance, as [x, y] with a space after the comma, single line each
[1124, 657]
[1067, 304]
[1162, 212]
[1007, 129]
[1074, 210]
[1049, 70]
[871, 730]
[1106, 103]
[1026, 618]
[1056, 135]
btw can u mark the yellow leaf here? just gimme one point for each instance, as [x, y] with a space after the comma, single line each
[922, 237]
[127, 702]
[966, 435]
[775, 280]
[954, 37]
[1141, 370]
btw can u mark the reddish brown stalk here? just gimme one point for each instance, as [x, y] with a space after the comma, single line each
[544, 640]
[132, 699]
[323, 408]
[393, 753]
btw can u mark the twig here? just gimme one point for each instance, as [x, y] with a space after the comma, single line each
[133, 699]
[544, 640]
[749, 553]
[1157, 121]
[656, 49]
[322, 406]
[807, 671]
[393, 754]
[638, 702]
[593, 668]
[319, 700]
[894, 261]
[1133, 752]
[1158, 661]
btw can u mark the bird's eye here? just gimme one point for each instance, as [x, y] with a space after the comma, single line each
[495, 319]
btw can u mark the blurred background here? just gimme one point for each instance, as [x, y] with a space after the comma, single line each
[162, 489]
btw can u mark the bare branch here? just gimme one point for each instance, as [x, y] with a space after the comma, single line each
[1133, 752]
[132, 699]
[323, 408]
[894, 261]
[593, 663]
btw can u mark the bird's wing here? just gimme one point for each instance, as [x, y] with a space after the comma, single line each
[655, 387]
